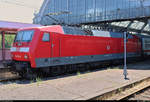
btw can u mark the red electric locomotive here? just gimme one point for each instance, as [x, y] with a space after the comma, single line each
[44, 48]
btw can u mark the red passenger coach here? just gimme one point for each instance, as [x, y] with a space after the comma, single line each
[45, 47]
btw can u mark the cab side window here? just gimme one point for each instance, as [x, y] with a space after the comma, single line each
[46, 37]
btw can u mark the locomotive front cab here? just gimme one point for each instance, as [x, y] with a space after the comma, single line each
[20, 50]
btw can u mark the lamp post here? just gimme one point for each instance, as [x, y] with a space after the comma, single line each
[125, 56]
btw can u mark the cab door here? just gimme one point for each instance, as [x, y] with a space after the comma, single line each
[55, 45]
[44, 46]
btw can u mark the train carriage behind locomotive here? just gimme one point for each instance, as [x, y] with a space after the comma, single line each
[145, 40]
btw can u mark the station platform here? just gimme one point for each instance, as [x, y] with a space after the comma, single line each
[76, 87]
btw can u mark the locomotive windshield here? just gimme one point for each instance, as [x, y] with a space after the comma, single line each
[24, 36]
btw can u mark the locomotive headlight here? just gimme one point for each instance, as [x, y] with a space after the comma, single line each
[12, 56]
[26, 56]
[13, 49]
[24, 49]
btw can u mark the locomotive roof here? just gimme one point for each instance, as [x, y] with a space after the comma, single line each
[53, 28]
[143, 36]
[78, 31]
[61, 29]
[73, 31]
[110, 34]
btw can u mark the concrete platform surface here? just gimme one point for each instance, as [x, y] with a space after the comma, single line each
[75, 87]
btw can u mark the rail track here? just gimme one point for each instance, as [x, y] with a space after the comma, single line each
[7, 75]
[9, 79]
[141, 95]
[129, 92]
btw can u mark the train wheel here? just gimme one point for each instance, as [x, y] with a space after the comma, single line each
[74, 68]
[63, 69]
[45, 71]
[29, 74]
[82, 68]
[55, 71]
[21, 74]
[87, 67]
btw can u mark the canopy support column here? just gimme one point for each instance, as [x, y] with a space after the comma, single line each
[3, 45]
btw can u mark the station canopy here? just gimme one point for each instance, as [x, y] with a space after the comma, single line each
[133, 26]
[12, 27]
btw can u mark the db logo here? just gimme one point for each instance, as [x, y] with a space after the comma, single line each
[108, 47]
[17, 56]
